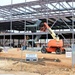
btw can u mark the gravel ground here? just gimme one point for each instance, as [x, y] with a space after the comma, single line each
[47, 64]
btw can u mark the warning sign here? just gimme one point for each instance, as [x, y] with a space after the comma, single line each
[31, 57]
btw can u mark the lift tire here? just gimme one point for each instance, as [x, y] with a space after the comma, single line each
[43, 50]
[58, 51]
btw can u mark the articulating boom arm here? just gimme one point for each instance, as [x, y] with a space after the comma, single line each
[45, 26]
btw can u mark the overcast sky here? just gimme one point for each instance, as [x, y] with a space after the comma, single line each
[7, 2]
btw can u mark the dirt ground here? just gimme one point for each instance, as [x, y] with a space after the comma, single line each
[47, 64]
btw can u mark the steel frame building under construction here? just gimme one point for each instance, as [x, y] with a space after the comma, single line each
[20, 23]
[18, 20]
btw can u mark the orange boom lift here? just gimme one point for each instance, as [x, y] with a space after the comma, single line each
[55, 44]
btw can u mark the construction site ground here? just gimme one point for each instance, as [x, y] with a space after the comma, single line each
[13, 62]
